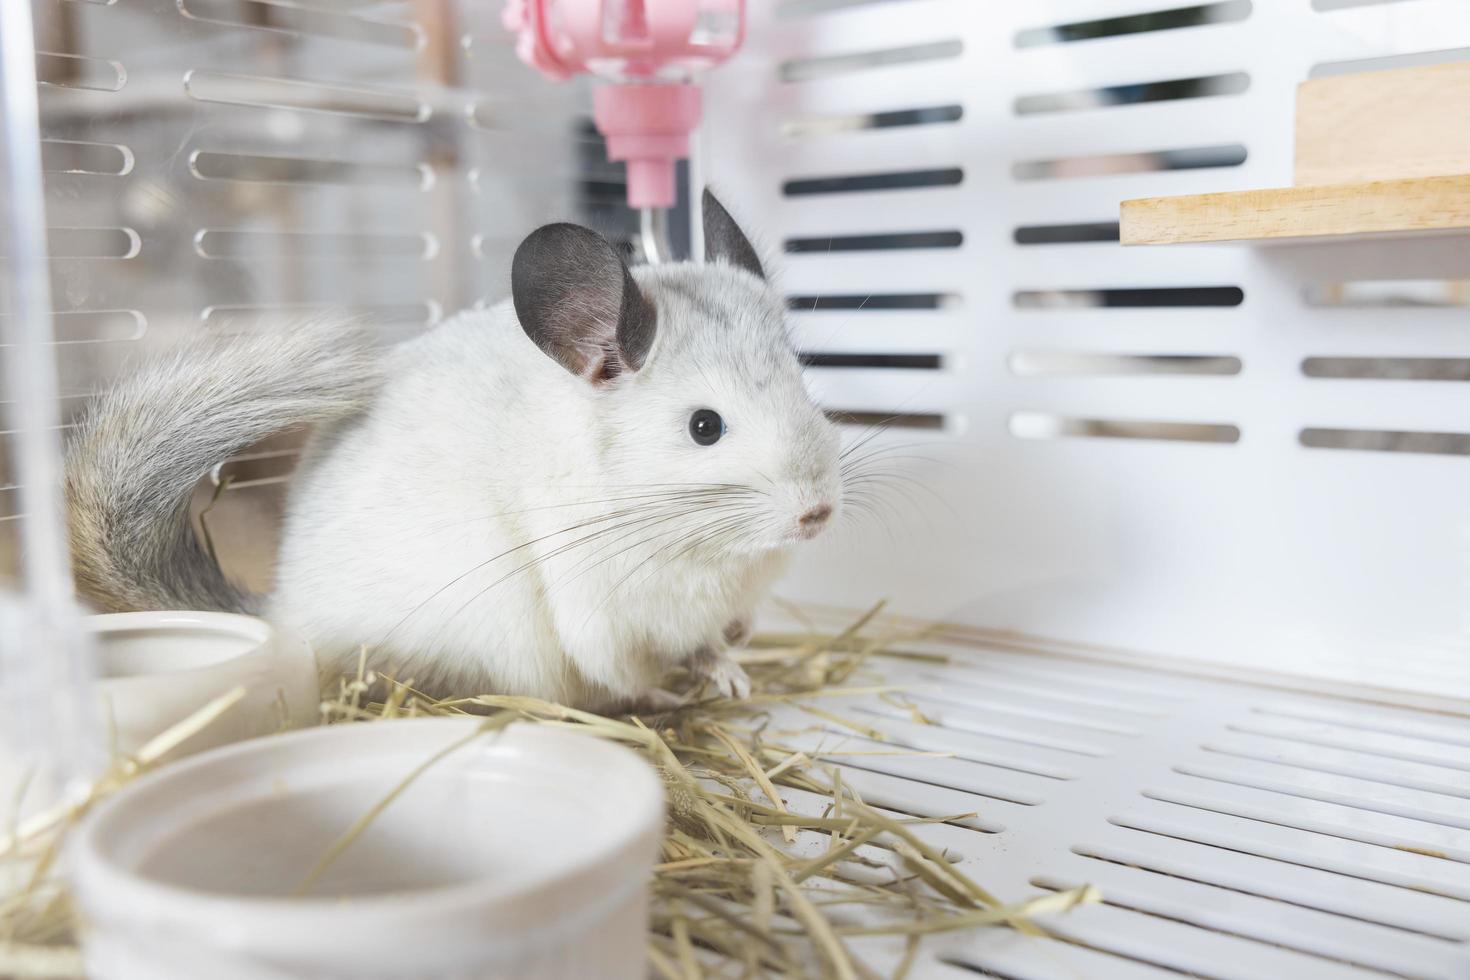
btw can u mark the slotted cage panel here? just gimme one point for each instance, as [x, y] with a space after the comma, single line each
[1249, 456]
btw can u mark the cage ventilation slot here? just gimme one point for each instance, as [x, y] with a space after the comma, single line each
[1036, 363]
[1141, 162]
[1389, 294]
[1080, 233]
[1387, 441]
[303, 95]
[266, 15]
[84, 157]
[858, 183]
[813, 69]
[256, 168]
[1201, 15]
[886, 420]
[224, 243]
[807, 8]
[891, 241]
[244, 317]
[1141, 93]
[1044, 425]
[874, 302]
[96, 326]
[907, 362]
[79, 72]
[1131, 298]
[890, 119]
[93, 243]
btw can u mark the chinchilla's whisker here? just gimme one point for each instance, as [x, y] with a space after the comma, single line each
[896, 478]
[883, 424]
[629, 529]
[874, 430]
[470, 571]
[871, 430]
[905, 464]
[763, 476]
[869, 503]
[618, 584]
[683, 486]
[869, 493]
[697, 538]
[720, 541]
[685, 501]
[667, 495]
[636, 524]
[909, 458]
[613, 516]
[866, 436]
[585, 567]
[884, 490]
[714, 492]
[711, 538]
[904, 493]
[886, 451]
[714, 538]
[883, 449]
[542, 559]
[728, 540]
[875, 469]
[885, 493]
[855, 515]
[841, 324]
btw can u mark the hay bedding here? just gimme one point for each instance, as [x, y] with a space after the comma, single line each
[770, 863]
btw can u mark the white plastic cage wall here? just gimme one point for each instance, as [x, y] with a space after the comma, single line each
[1139, 455]
[1132, 465]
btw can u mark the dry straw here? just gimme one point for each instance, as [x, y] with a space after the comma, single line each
[746, 885]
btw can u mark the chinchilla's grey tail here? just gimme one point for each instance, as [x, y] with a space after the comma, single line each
[133, 463]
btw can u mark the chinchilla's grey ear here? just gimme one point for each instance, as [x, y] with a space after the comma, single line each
[724, 241]
[577, 300]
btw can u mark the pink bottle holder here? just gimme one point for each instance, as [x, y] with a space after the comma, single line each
[649, 51]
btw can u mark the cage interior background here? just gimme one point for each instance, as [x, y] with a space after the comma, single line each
[1193, 518]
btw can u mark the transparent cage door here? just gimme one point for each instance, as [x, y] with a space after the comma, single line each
[45, 724]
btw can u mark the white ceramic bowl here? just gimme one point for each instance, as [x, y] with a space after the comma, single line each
[157, 668]
[522, 854]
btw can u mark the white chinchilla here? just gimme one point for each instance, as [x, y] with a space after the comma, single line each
[562, 496]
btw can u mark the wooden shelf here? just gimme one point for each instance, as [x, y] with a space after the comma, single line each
[1408, 206]
[1377, 154]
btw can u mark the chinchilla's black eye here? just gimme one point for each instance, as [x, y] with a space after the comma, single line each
[706, 426]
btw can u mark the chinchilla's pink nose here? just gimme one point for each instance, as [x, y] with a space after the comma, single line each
[813, 519]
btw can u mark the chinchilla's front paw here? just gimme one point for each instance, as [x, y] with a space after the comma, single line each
[717, 667]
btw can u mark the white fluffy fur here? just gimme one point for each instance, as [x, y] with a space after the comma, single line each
[427, 529]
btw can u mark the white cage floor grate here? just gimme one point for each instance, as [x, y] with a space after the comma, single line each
[1235, 831]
